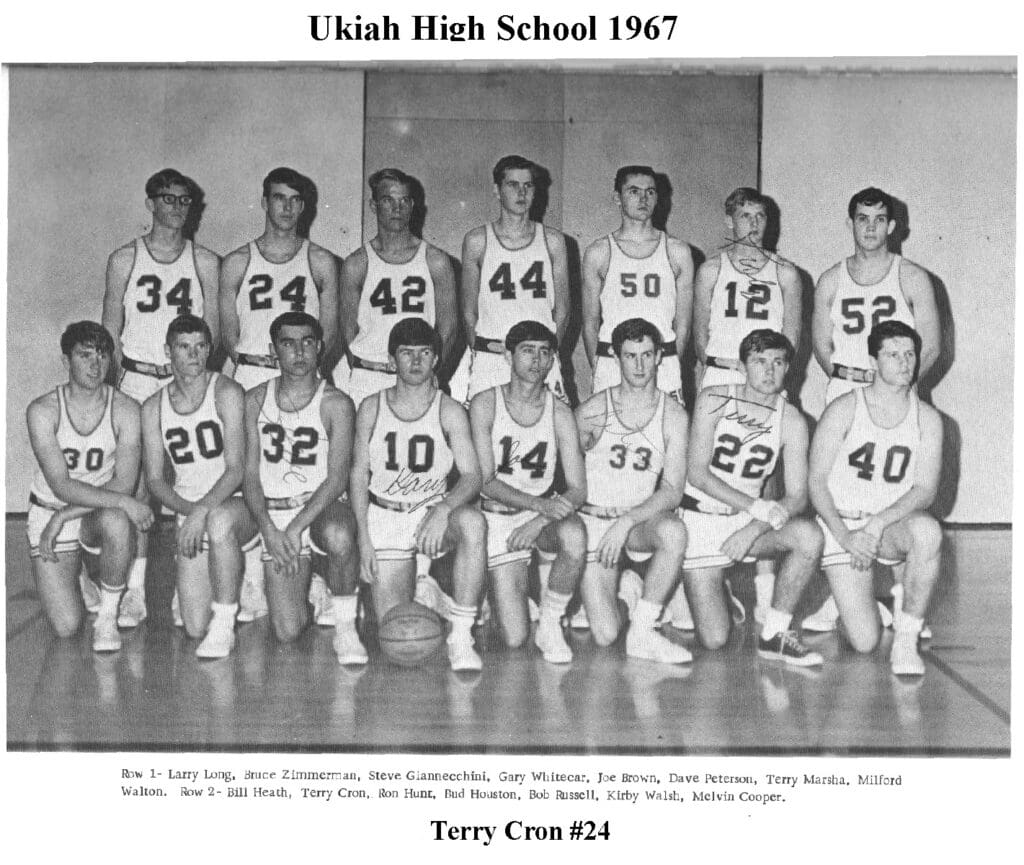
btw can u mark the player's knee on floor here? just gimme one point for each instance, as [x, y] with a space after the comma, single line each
[66, 621]
[288, 628]
[572, 538]
[863, 637]
[925, 534]
[605, 626]
[713, 636]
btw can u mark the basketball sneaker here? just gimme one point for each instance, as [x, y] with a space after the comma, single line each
[105, 637]
[462, 655]
[90, 592]
[531, 607]
[551, 642]
[648, 645]
[320, 598]
[786, 646]
[824, 619]
[904, 658]
[132, 611]
[252, 602]
[739, 612]
[677, 611]
[347, 646]
[578, 621]
[219, 639]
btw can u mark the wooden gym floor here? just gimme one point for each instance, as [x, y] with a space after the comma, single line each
[155, 694]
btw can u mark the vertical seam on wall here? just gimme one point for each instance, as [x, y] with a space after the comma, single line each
[760, 125]
[362, 159]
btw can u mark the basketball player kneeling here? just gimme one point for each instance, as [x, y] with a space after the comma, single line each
[874, 469]
[634, 440]
[298, 452]
[522, 434]
[408, 438]
[739, 432]
[81, 494]
[195, 422]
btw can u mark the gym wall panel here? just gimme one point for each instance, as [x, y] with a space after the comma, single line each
[83, 141]
[944, 145]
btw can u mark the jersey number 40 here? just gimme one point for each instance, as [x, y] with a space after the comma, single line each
[897, 459]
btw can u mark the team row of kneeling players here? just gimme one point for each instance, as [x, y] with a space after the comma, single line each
[292, 463]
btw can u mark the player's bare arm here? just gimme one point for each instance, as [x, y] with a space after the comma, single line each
[590, 421]
[595, 268]
[473, 246]
[920, 294]
[828, 438]
[152, 440]
[703, 288]
[926, 478]
[43, 416]
[821, 321]
[559, 279]
[338, 415]
[119, 269]
[792, 302]
[353, 275]
[324, 267]
[208, 269]
[359, 484]
[681, 259]
[232, 272]
[795, 444]
[570, 455]
[445, 303]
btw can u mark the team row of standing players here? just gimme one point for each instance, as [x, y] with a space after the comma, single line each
[622, 292]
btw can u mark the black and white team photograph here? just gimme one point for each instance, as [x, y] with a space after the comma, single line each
[564, 410]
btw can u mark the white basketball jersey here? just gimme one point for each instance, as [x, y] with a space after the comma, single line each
[270, 289]
[639, 288]
[194, 443]
[857, 308]
[157, 294]
[515, 285]
[409, 460]
[90, 456]
[391, 292]
[293, 445]
[740, 303]
[747, 442]
[524, 456]
[875, 466]
[624, 465]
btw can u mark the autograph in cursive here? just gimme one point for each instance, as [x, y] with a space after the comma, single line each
[757, 428]
[407, 484]
[750, 266]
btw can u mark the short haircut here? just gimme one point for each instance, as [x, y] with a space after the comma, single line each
[87, 333]
[413, 332]
[170, 177]
[530, 331]
[744, 195]
[871, 197]
[188, 323]
[763, 340]
[378, 178]
[289, 177]
[295, 319]
[889, 329]
[634, 330]
[627, 170]
[512, 163]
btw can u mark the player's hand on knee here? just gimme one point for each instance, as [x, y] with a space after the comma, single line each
[48, 539]
[525, 536]
[738, 544]
[190, 535]
[368, 569]
[431, 531]
[557, 507]
[778, 516]
[862, 548]
[140, 514]
[610, 547]
[278, 546]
